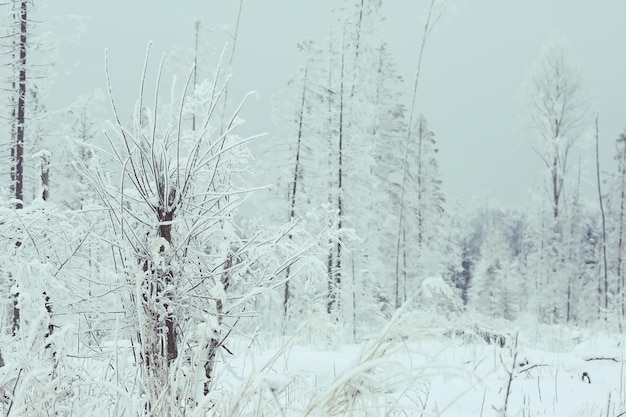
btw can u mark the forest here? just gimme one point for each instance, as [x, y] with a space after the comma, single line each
[158, 260]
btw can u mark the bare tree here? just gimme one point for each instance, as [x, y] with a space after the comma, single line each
[433, 16]
[20, 11]
[603, 218]
[18, 44]
[621, 161]
[559, 114]
[235, 36]
[334, 283]
[297, 167]
[189, 271]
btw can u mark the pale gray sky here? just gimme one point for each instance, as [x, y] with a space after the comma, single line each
[471, 87]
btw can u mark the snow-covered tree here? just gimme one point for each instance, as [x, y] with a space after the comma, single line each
[346, 156]
[495, 285]
[17, 46]
[615, 197]
[619, 215]
[187, 270]
[29, 162]
[558, 113]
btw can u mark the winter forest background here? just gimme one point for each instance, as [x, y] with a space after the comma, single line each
[161, 257]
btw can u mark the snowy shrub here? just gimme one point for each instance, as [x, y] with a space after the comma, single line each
[189, 274]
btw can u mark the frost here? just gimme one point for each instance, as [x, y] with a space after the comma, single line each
[43, 155]
[159, 251]
[436, 287]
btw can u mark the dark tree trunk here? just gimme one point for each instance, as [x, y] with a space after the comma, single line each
[161, 349]
[48, 305]
[294, 185]
[335, 285]
[166, 216]
[17, 150]
[16, 311]
[555, 188]
[21, 108]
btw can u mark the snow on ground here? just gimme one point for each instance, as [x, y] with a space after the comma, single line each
[408, 372]
[443, 377]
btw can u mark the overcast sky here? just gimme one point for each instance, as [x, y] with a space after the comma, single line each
[471, 92]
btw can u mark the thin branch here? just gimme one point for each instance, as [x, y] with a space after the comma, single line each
[80, 244]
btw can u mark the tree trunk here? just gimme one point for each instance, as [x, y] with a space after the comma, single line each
[427, 29]
[357, 44]
[335, 287]
[555, 188]
[195, 68]
[21, 108]
[19, 122]
[404, 266]
[166, 216]
[294, 185]
[331, 255]
[420, 183]
[215, 342]
[606, 273]
[230, 66]
[48, 305]
[620, 242]
[160, 344]
[44, 169]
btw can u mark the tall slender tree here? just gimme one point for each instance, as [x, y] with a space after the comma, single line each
[621, 214]
[18, 47]
[558, 114]
[18, 111]
[334, 283]
[605, 273]
[301, 121]
[432, 18]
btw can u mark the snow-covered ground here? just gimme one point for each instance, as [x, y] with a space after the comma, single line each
[407, 370]
[438, 376]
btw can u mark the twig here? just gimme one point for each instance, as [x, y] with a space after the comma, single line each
[74, 252]
[601, 359]
[17, 380]
[510, 381]
[482, 404]
[531, 367]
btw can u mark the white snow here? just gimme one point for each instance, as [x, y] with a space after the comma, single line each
[437, 377]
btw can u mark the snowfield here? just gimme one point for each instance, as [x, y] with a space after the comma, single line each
[437, 377]
[407, 370]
